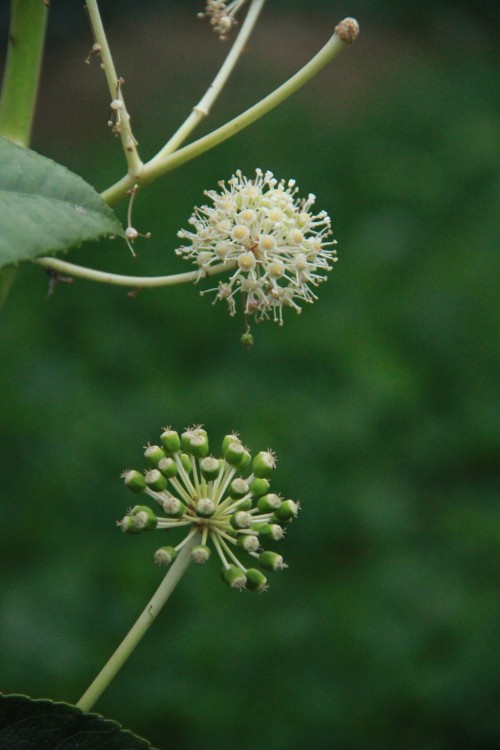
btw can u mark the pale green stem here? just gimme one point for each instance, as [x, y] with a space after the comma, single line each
[136, 282]
[28, 22]
[202, 109]
[123, 128]
[139, 629]
[158, 165]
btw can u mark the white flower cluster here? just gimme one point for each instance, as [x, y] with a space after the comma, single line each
[222, 15]
[276, 245]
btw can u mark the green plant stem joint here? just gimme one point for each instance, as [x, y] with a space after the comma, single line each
[225, 501]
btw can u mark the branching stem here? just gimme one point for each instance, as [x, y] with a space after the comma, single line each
[160, 165]
[202, 109]
[123, 127]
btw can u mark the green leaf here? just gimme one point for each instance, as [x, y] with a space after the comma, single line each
[44, 725]
[45, 208]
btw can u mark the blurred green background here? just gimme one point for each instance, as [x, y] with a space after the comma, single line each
[379, 400]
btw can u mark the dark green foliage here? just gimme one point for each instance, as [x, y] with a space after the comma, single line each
[380, 402]
[44, 725]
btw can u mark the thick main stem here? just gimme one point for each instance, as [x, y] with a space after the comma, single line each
[28, 23]
[139, 629]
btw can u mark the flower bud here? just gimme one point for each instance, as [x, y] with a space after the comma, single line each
[286, 511]
[186, 463]
[263, 464]
[135, 481]
[200, 554]
[165, 555]
[153, 455]
[256, 581]
[155, 480]
[234, 577]
[271, 560]
[168, 467]
[269, 503]
[170, 441]
[247, 339]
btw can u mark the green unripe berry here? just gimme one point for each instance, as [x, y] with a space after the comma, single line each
[259, 486]
[200, 554]
[245, 504]
[240, 520]
[199, 446]
[210, 468]
[155, 480]
[165, 555]
[286, 511]
[271, 560]
[269, 503]
[205, 507]
[245, 460]
[170, 441]
[228, 439]
[234, 577]
[238, 488]
[173, 507]
[127, 525]
[256, 580]
[168, 467]
[144, 518]
[263, 464]
[153, 455]
[234, 454]
[135, 481]
[248, 542]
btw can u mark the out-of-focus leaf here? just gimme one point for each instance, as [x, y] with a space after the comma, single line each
[44, 725]
[45, 208]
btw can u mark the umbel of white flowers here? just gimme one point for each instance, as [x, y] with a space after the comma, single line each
[277, 249]
[226, 500]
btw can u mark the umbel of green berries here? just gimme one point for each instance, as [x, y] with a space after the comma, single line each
[227, 501]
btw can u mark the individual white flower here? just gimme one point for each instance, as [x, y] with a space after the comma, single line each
[277, 249]
[222, 15]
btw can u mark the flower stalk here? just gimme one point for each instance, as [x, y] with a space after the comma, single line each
[139, 629]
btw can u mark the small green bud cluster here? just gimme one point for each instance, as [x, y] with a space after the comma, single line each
[226, 500]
